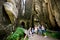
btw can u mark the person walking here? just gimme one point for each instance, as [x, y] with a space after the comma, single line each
[43, 31]
[40, 29]
[32, 30]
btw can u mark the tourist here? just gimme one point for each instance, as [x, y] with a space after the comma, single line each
[43, 31]
[29, 32]
[40, 29]
[35, 28]
[32, 30]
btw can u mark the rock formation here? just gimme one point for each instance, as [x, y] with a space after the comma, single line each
[49, 13]
[11, 9]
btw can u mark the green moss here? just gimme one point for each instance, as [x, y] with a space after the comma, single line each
[53, 34]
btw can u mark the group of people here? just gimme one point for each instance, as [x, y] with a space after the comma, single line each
[40, 29]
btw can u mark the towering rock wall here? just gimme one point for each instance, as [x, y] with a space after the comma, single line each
[11, 7]
[49, 13]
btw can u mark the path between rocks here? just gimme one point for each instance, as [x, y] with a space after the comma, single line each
[39, 37]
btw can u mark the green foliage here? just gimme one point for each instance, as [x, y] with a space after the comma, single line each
[53, 34]
[19, 33]
[25, 39]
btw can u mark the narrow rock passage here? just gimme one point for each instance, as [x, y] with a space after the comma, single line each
[39, 37]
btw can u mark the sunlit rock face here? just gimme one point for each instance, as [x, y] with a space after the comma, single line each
[23, 6]
[11, 9]
[49, 13]
[54, 11]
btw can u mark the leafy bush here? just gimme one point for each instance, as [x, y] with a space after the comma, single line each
[53, 34]
[19, 33]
